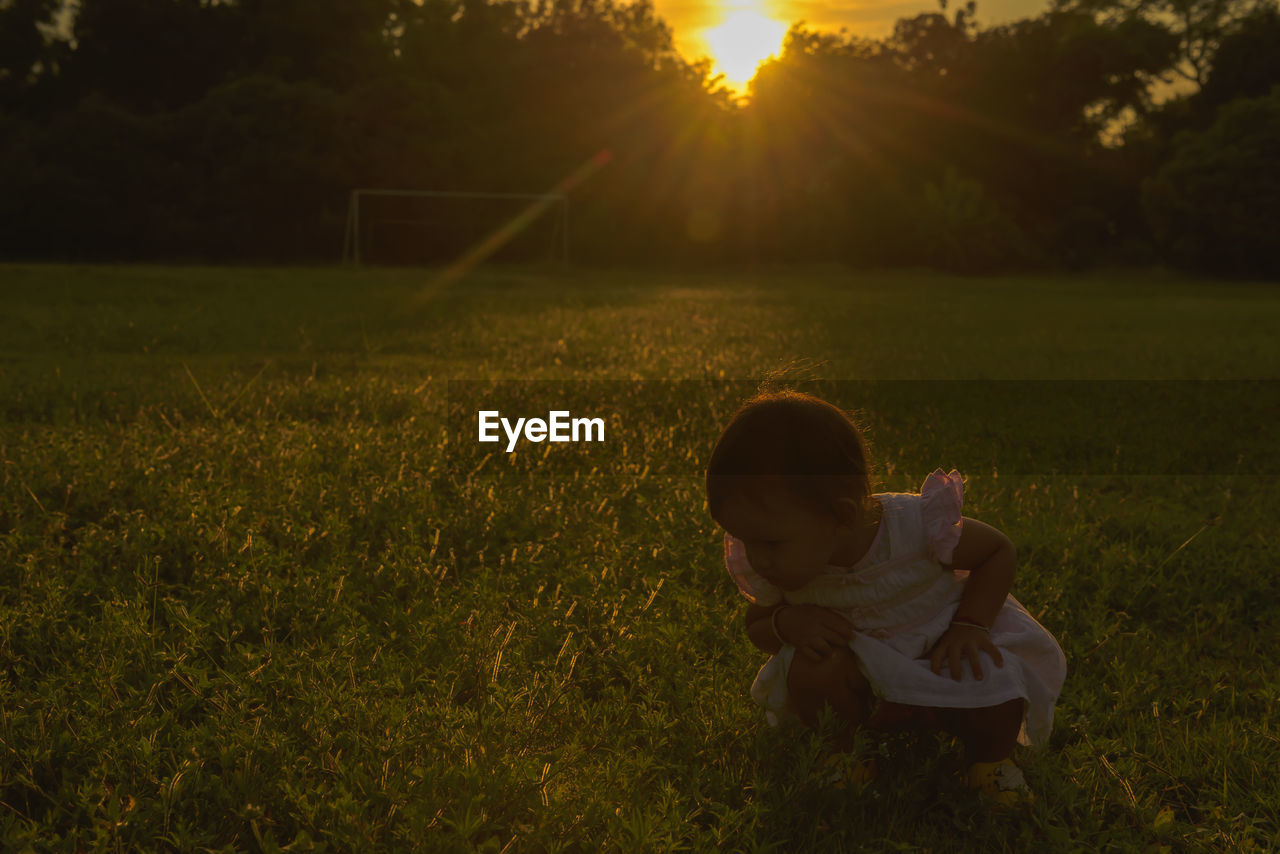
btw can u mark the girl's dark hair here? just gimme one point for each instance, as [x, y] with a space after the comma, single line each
[812, 446]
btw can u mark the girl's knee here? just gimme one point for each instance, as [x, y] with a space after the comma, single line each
[835, 680]
[837, 669]
[982, 723]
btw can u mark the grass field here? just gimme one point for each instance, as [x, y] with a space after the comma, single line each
[257, 593]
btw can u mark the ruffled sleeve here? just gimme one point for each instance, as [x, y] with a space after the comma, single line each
[750, 582]
[941, 498]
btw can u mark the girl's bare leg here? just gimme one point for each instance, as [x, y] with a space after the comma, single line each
[989, 734]
[835, 681]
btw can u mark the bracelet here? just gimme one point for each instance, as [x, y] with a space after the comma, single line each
[971, 623]
[773, 624]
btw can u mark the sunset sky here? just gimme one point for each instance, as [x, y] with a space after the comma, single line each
[755, 27]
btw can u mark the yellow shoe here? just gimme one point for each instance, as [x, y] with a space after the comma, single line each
[1000, 781]
[845, 769]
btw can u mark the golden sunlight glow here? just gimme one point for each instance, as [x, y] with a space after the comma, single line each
[746, 38]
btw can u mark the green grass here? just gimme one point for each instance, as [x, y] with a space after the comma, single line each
[253, 598]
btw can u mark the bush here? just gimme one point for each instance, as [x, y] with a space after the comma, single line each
[1213, 205]
[962, 229]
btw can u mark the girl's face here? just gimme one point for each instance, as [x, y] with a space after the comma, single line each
[787, 542]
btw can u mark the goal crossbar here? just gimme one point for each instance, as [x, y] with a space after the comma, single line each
[351, 240]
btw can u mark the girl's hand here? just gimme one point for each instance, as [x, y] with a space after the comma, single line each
[967, 641]
[813, 630]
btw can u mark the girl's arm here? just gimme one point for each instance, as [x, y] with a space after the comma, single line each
[811, 629]
[990, 559]
[758, 628]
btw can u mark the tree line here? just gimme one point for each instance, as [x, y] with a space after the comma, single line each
[235, 131]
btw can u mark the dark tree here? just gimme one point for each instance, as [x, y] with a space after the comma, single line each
[1214, 204]
[1246, 63]
[28, 52]
[1198, 25]
[150, 55]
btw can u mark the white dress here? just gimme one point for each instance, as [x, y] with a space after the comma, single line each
[900, 599]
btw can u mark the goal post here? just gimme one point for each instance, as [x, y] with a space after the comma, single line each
[535, 207]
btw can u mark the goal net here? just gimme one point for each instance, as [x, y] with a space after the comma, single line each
[442, 226]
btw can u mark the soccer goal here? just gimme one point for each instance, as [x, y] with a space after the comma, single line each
[435, 226]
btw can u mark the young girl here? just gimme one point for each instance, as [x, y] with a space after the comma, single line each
[891, 608]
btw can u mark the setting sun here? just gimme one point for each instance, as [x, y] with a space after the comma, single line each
[744, 40]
